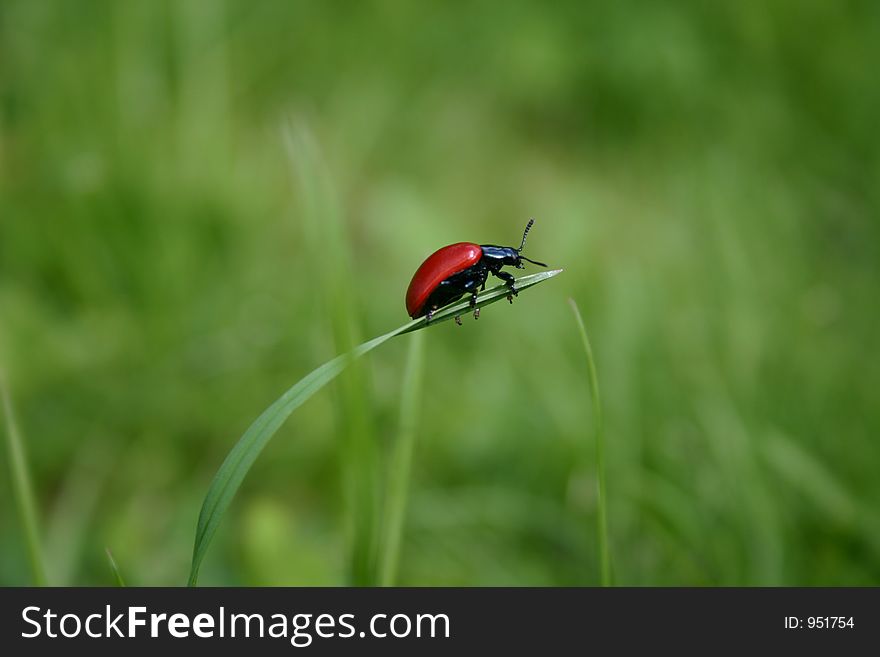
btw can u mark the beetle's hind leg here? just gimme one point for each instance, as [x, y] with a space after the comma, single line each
[474, 304]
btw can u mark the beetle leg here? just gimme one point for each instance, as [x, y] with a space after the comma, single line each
[428, 316]
[509, 279]
[458, 319]
[474, 304]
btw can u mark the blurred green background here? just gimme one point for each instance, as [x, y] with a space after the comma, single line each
[707, 174]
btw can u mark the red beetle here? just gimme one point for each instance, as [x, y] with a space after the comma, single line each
[458, 269]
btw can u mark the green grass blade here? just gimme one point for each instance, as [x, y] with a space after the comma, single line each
[22, 491]
[242, 456]
[602, 511]
[115, 568]
[401, 461]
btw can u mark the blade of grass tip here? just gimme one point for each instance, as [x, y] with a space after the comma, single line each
[22, 490]
[602, 512]
[242, 456]
[116, 574]
[401, 461]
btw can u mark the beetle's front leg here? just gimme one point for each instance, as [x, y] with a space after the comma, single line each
[510, 280]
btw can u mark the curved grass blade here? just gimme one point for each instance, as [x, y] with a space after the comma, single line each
[602, 512]
[22, 490]
[115, 568]
[242, 456]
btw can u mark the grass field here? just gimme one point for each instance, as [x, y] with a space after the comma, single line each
[201, 202]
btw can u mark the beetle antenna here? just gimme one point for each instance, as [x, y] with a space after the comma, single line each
[525, 234]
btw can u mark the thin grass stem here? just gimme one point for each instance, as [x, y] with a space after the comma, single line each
[601, 502]
[22, 490]
[115, 568]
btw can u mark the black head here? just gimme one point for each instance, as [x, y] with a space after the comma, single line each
[507, 255]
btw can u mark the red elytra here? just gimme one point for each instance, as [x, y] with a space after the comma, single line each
[439, 266]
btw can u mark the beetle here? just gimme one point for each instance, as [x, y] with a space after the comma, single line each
[462, 268]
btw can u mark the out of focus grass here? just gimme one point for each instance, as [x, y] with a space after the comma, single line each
[705, 174]
[22, 489]
[598, 439]
[400, 461]
[114, 568]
